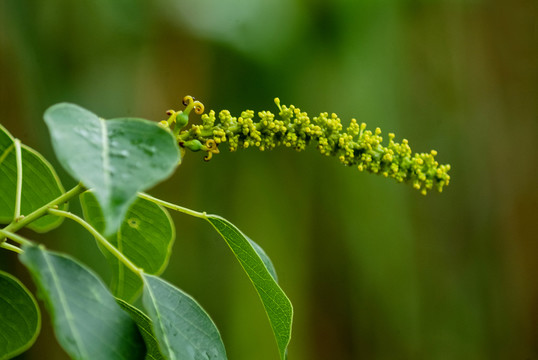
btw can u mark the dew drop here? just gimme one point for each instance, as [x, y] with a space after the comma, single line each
[80, 131]
[120, 153]
[148, 149]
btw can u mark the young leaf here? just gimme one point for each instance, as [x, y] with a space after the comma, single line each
[87, 321]
[117, 157]
[182, 328]
[145, 237]
[258, 268]
[20, 319]
[145, 327]
[40, 184]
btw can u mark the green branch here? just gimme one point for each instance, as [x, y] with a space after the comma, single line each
[15, 237]
[18, 224]
[201, 215]
[100, 238]
[10, 247]
[18, 194]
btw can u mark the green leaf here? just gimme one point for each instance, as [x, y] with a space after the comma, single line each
[145, 327]
[40, 184]
[117, 157]
[266, 260]
[183, 329]
[20, 317]
[145, 237]
[87, 321]
[256, 265]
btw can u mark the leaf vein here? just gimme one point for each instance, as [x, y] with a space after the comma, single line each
[65, 305]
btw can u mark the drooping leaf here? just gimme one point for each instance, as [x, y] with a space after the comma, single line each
[145, 237]
[117, 157]
[40, 184]
[263, 255]
[145, 327]
[87, 321]
[20, 319]
[260, 271]
[182, 328]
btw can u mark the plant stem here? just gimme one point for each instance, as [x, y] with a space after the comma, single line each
[18, 193]
[11, 248]
[17, 238]
[36, 214]
[201, 215]
[100, 238]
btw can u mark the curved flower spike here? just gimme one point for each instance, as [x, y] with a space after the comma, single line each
[356, 146]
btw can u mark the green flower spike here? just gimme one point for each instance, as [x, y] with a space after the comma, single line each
[355, 146]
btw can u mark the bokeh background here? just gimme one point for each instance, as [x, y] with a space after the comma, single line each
[374, 269]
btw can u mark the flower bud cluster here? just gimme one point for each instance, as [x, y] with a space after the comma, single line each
[356, 146]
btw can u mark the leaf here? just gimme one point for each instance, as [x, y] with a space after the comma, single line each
[261, 272]
[117, 157]
[266, 260]
[145, 237]
[20, 317]
[87, 321]
[40, 184]
[183, 329]
[145, 327]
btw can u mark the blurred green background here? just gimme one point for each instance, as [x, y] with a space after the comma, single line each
[374, 269]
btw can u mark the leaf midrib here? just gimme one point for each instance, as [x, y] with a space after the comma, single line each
[105, 154]
[65, 305]
[161, 325]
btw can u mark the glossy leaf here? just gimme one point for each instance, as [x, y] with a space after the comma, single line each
[40, 184]
[87, 321]
[276, 303]
[20, 319]
[145, 327]
[117, 157]
[145, 237]
[183, 329]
